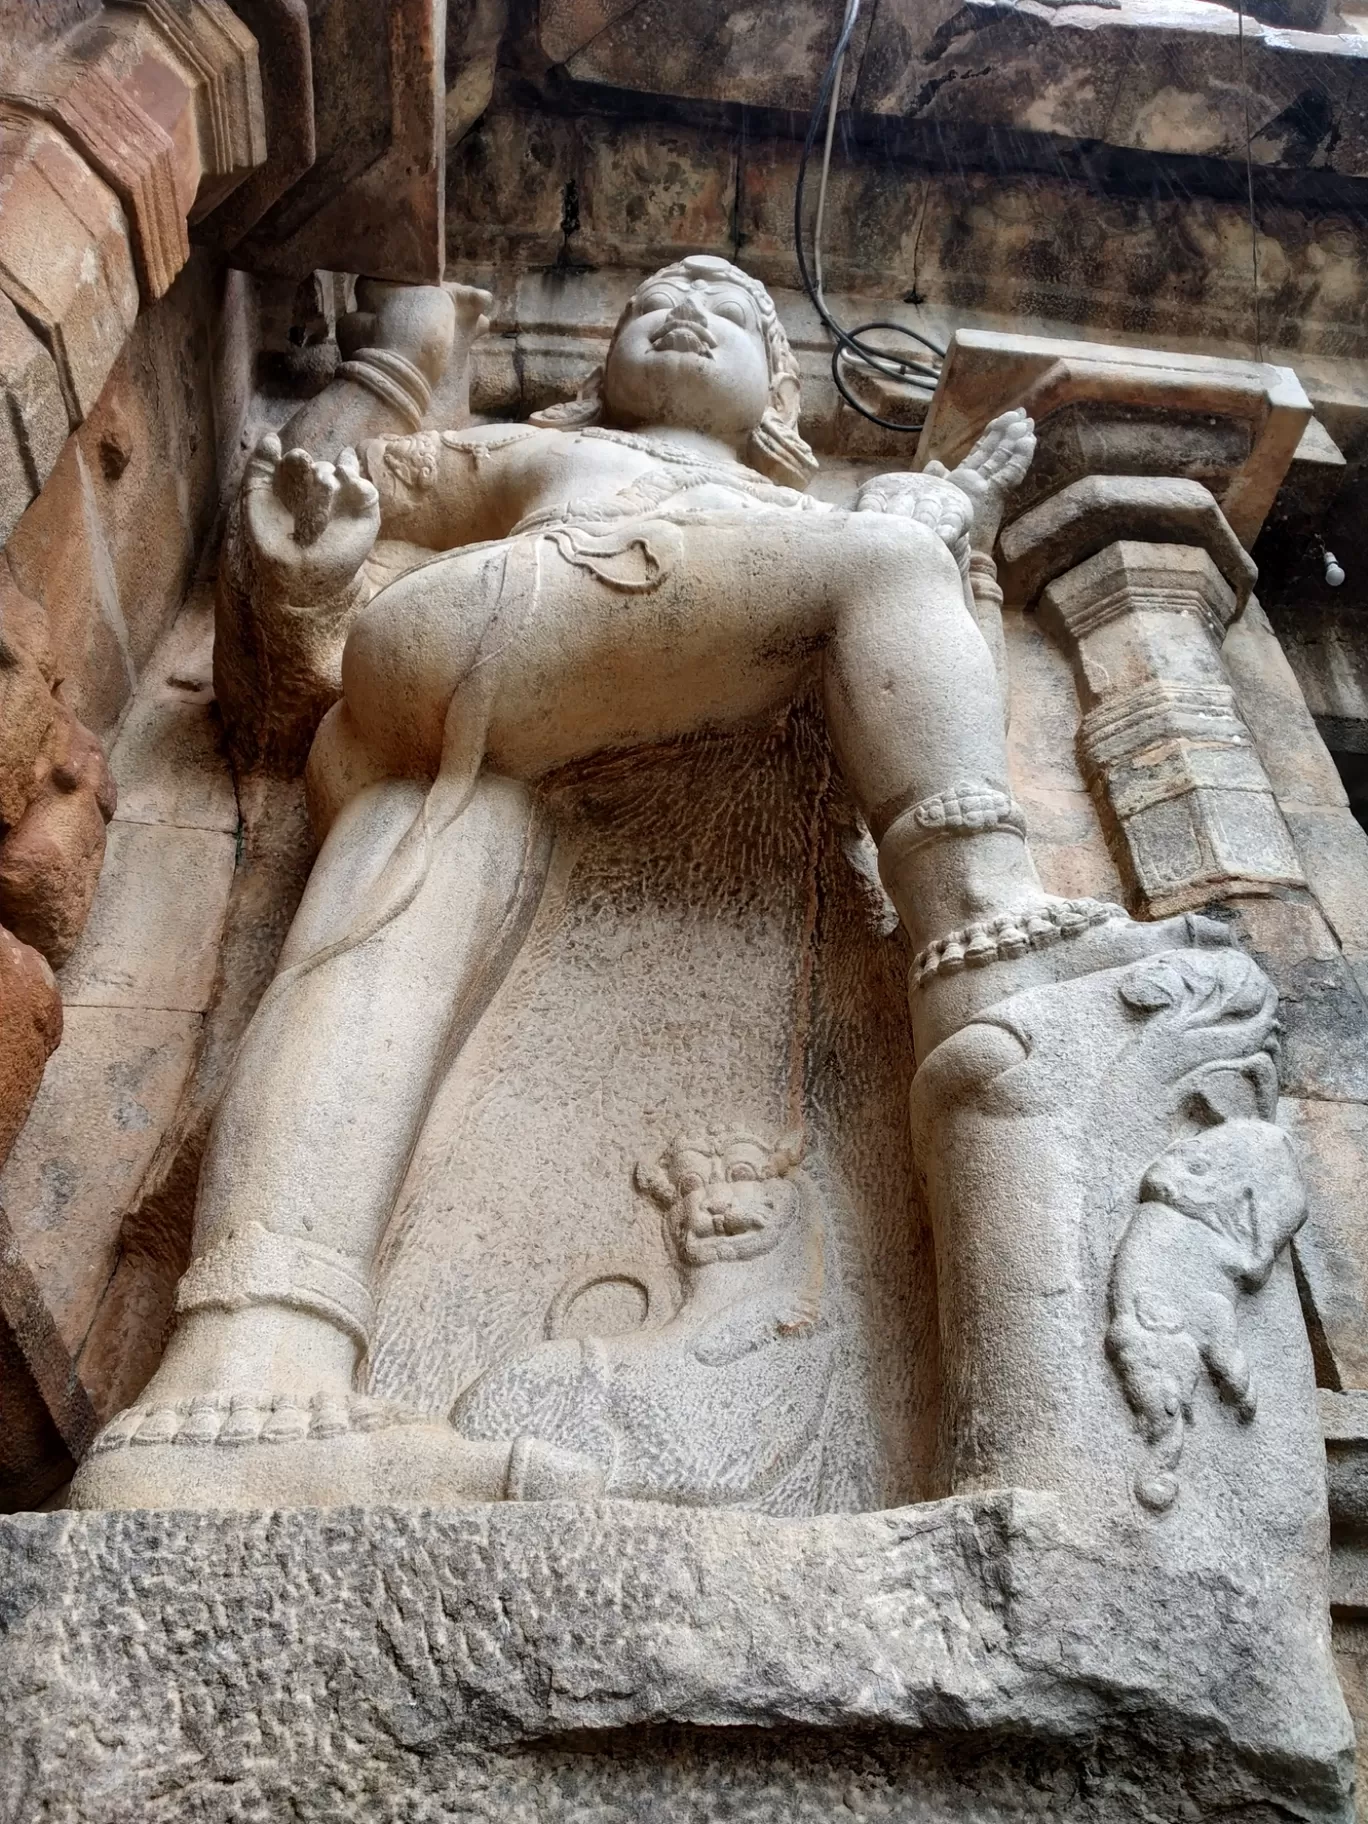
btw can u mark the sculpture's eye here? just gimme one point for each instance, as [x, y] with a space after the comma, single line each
[690, 1183]
[733, 310]
[742, 1173]
[655, 300]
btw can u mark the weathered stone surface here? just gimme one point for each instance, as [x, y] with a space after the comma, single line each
[644, 194]
[78, 90]
[1323, 1010]
[373, 201]
[705, 50]
[60, 557]
[1176, 84]
[65, 258]
[1333, 849]
[281, 29]
[958, 79]
[913, 1663]
[506, 189]
[50, 859]
[1272, 702]
[108, 1093]
[169, 763]
[27, 709]
[46, 1418]
[474, 30]
[30, 1026]
[109, 545]
[158, 879]
[1326, 654]
[34, 426]
[1332, 1249]
[1066, 838]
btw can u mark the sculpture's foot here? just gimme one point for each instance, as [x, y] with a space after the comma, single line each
[1049, 940]
[246, 1451]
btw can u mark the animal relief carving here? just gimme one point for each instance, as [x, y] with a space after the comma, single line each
[1215, 1211]
[732, 1400]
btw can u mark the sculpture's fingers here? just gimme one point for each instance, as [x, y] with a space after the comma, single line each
[261, 464]
[293, 477]
[315, 510]
[269, 522]
[1003, 453]
[357, 494]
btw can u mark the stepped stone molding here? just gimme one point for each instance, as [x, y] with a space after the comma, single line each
[209, 41]
[1093, 512]
[285, 60]
[65, 258]
[132, 152]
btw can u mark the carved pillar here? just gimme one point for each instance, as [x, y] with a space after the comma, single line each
[1140, 567]
[1162, 743]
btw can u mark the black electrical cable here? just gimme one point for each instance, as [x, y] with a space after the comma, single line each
[848, 343]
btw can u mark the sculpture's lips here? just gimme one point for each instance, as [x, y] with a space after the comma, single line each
[684, 339]
[729, 1222]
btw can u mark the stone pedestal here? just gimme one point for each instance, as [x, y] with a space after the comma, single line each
[981, 1659]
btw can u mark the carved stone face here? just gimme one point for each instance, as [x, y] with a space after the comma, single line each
[728, 1209]
[690, 351]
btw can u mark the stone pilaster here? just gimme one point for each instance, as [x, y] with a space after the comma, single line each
[1162, 742]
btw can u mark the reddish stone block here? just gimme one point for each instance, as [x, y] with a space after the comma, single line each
[50, 861]
[33, 425]
[65, 257]
[30, 1027]
[138, 160]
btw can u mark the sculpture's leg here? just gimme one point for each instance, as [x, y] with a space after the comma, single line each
[309, 1143]
[915, 714]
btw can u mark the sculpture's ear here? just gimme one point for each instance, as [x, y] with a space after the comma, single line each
[585, 408]
[784, 397]
[651, 1181]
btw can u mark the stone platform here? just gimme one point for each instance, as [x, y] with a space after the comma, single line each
[970, 1659]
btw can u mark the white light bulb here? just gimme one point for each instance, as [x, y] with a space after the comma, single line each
[1334, 570]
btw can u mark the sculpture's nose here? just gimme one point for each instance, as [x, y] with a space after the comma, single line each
[685, 329]
[686, 311]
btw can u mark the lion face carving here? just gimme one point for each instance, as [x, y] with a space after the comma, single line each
[725, 1197]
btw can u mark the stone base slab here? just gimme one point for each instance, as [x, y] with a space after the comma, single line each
[971, 1659]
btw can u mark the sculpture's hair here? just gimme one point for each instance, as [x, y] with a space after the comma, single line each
[775, 449]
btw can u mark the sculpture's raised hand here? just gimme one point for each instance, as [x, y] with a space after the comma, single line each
[311, 523]
[992, 470]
